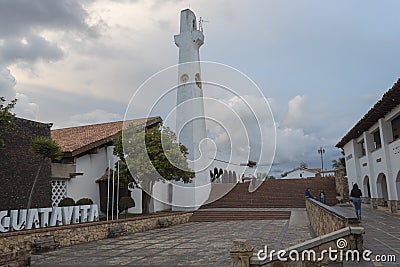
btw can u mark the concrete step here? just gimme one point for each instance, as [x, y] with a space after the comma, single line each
[234, 215]
[277, 193]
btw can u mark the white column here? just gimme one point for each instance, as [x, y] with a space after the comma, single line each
[369, 146]
[385, 130]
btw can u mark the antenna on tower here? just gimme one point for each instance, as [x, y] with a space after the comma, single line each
[201, 21]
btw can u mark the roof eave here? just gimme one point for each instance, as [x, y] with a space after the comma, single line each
[104, 141]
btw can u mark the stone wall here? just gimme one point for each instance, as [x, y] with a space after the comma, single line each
[19, 241]
[312, 252]
[18, 167]
[342, 185]
[326, 219]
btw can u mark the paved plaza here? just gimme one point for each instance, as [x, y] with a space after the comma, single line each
[208, 243]
[201, 244]
[382, 232]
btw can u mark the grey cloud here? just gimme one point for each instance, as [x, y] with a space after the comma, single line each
[94, 116]
[29, 49]
[7, 84]
[17, 17]
[24, 108]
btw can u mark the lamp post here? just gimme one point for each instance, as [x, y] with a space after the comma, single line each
[321, 151]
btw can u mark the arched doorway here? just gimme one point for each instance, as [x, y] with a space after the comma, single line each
[367, 188]
[230, 177]
[235, 178]
[381, 185]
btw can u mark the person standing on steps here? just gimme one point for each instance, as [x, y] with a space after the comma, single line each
[307, 193]
[322, 197]
[356, 199]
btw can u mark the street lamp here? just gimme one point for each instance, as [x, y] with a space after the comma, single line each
[321, 151]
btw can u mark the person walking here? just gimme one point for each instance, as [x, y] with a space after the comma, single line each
[322, 197]
[356, 199]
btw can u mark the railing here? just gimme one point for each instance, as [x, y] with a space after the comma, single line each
[325, 219]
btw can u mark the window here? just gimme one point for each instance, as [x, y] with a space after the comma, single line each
[362, 144]
[396, 127]
[377, 139]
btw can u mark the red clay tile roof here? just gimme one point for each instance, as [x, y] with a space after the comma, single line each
[105, 176]
[77, 140]
[389, 101]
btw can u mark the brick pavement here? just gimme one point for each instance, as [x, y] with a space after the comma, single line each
[382, 232]
[195, 244]
[208, 243]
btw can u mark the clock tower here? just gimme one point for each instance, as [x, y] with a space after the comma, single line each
[190, 121]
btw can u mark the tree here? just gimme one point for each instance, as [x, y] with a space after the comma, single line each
[124, 204]
[6, 117]
[47, 148]
[145, 158]
[340, 163]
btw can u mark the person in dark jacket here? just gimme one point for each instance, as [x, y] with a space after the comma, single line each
[356, 199]
[322, 197]
[307, 193]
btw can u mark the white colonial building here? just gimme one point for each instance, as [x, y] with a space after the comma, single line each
[372, 151]
[300, 172]
[83, 170]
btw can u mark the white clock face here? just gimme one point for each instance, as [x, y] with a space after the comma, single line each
[184, 78]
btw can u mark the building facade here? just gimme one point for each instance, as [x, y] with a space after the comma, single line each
[18, 167]
[299, 173]
[87, 155]
[372, 151]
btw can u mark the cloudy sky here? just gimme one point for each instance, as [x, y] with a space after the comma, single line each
[321, 64]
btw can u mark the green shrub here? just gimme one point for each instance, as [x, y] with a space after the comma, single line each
[125, 203]
[67, 201]
[84, 201]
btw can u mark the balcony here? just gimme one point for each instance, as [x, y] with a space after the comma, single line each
[63, 171]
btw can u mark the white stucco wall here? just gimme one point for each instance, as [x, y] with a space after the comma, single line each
[384, 160]
[299, 174]
[93, 166]
[136, 194]
[161, 198]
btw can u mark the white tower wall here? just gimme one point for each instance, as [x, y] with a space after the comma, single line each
[190, 122]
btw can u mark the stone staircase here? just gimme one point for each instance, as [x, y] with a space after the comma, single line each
[217, 215]
[272, 200]
[277, 193]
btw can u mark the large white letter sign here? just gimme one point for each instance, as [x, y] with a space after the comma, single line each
[45, 217]
[76, 215]
[84, 212]
[18, 222]
[94, 213]
[56, 217]
[4, 221]
[33, 218]
[67, 214]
